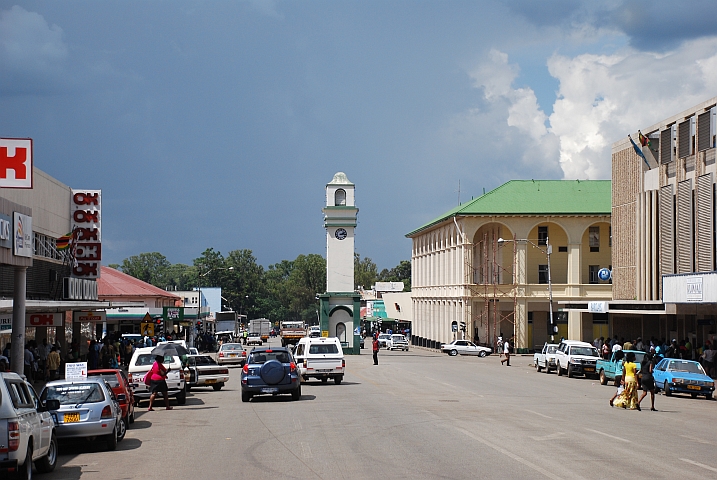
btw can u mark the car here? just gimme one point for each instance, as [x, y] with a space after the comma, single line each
[545, 359]
[465, 347]
[673, 375]
[119, 382]
[254, 338]
[193, 351]
[397, 342]
[383, 339]
[611, 369]
[576, 358]
[205, 372]
[270, 371]
[28, 428]
[321, 358]
[88, 409]
[142, 360]
[231, 353]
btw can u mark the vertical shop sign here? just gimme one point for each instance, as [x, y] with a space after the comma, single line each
[86, 212]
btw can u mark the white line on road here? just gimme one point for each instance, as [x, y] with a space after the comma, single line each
[512, 455]
[549, 437]
[698, 440]
[539, 414]
[305, 450]
[608, 435]
[706, 467]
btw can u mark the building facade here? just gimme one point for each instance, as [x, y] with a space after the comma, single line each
[483, 268]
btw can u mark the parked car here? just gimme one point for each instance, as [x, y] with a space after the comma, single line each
[193, 351]
[232, 353]
[465, 347]
[119, 382]
[612, 369]
[270, 371]
[576, 358]
[673, 375]
[545, 358]
[383, 339]
[139, 365]
[397, 342]
[205, 372]
[27, 429]
[88, 409]
[321, 358]
[254, 338]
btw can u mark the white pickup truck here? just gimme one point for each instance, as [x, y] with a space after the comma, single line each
[321, 358]
[545, 359]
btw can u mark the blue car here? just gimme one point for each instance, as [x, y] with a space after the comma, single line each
[683, 376]
[270, 371]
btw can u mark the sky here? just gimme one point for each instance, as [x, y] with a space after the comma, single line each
[219, 123]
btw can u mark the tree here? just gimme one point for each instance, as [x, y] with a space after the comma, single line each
[148, 267]
[399, 273]
[243, 286]
[307, 279]
[365, 272]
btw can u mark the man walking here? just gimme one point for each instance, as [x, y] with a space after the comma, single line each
[375, 350]
[506, 351]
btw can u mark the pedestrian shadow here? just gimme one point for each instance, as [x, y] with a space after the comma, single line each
[193, 401]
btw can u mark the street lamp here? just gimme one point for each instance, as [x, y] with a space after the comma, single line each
[199, 300]
[548, 250]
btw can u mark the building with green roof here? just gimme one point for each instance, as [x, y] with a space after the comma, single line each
[483, 266]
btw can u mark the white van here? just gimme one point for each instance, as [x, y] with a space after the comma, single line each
[142, 361]
[320, 357]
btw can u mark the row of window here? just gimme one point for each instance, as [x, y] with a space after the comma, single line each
[592, 274]
[593, 238]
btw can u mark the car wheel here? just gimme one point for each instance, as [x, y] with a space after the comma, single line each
[324, 379]
[482, 354]
[708, 396]
[25, 472]
[693, 395]
[668, 393]
[453, 353]
[603, 378]
[182, 397]
[570, 371]
[560, 371]
[111, 440]
[123, 423]
[337, 380]
[245, 396]
[47, 463]
[296, 394]
[217, 387]
[538, 368]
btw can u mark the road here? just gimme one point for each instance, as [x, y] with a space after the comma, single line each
[418, 414]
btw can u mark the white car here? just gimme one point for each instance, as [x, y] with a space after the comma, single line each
[575, 357]
[254, 338]
[465, 347]
[204, 371]
[383, 339]
[397, 342]
[321, 358]
[142, 361]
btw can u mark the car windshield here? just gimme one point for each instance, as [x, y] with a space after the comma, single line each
[639, 357]
[232, 346]
[266, 355]
[204, 360]
[110, 378]
[147, 359]
[72, 394]
[323, 348]
[684, 366]
[253, 334]
[587, 351]
[384, 335]
[397, 337]
[552, 349]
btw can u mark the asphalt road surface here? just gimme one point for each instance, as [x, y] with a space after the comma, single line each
[418, 414]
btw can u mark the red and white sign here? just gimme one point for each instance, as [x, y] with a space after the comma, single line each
[44, 319]
[86, 211]
[15, 162]
[92, 317]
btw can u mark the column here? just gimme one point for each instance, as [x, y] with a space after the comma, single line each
[521, 262]
[17, 351]
[575, 325]
[574, 278]
[521, 324]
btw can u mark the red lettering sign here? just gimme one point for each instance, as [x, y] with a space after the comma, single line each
[89, 251]
[15, 163]
[42, 320]
[82, 234]
[86, 270]
[85, 199]
[86, 216]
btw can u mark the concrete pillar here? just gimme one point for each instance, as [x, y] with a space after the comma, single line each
[575, 325]
[521, 262]
[573, 265]
[17, 351]
[521, 324]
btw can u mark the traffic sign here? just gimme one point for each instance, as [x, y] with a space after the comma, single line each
[147, 329]
[604, 274]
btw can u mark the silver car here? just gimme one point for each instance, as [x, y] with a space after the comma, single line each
[465, 347]
[88, 408]
[231, 354]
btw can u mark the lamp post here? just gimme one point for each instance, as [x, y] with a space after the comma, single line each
[193, 330]
[548, 250]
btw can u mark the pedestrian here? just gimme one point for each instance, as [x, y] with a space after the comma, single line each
[606, 350]
[628, 398]
[93, 356]
[647, 382]
[707, 359]
[506, 351]
[29, 359]
[499, 345]
[53, 363]
[375, 350]
[158, 382]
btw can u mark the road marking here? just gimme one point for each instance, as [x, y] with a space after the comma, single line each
[698, 440]
[608, 435]
[539, 414]
[510, 454]
[706, 467]
[297, 424]
[549, 437]
[305, 450]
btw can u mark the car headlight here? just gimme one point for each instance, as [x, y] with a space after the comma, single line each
[709, 384]
[678, 380]
[575, 362]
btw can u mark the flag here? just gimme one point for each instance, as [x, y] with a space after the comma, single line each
[638, 151]
[644, 141]
[64, 241]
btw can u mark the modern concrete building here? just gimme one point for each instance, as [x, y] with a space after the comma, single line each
[663, 210]
[484, 266]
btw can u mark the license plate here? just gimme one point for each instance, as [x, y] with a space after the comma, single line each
[693, 387]
[269, 390]
[324, 370]
[232, 354]
[589, 369]
[209, 382]
[71, 418]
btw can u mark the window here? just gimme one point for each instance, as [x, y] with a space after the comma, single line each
[340, 197]
[594, 239]
[341, 332]
[593, 273]
[542, 235]
[543, 273]
[324, 348]
[563, 249]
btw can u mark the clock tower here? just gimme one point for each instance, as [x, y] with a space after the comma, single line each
[340, 305]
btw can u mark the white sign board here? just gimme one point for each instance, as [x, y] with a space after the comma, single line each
[33, 320]
[597, 307]
[91, 317]
[16, 163]
[6, 323]
[22, 235]
[691, 288]
[76, 371]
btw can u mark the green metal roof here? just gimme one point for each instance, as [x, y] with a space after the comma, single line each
[536, 197]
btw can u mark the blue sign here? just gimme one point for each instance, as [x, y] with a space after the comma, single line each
[604, 274]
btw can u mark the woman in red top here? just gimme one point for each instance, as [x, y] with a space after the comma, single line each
[158, 381]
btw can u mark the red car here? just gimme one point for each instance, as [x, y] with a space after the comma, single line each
[119, 382]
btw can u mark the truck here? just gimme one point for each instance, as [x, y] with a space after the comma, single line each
[226, 323]
[291, 332]
[262, 326]
[611, 370]
[545, 359]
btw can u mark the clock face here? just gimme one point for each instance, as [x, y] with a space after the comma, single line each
[341, 233]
